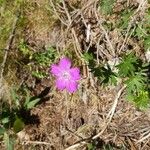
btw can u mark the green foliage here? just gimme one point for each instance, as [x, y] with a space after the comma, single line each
[91, 146]
[6, 116]
[88, 57]
[45, 58]
[11, 117]
[18, 125]
[9, 141]
[135, 83]
[127, 65]
[23, 47]
[108, 147]
[5, 26]
[31, 102]
[106, 6]
[140, 31]
[142, 99]
[15, 98]
[106, 75]
[133, 72]
[147, 43]
[125, 18]
[39, 74]
[103, 72]
[2, 131]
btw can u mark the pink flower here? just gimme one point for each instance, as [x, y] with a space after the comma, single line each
[66, 77]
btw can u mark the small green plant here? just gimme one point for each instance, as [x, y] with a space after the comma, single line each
[30, 102]
[134, 74]
[106, 6]
[9, 141]
[91, 146]
[24, 49]
[142, 31]
[147, 43]
[11, 117]
[43, 60]
[105, 75]
[127, 65]
[103, 72]
[125, 17]
[39, 74]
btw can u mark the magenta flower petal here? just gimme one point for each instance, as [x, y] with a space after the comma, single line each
[75, 73]
[60, 84]
[65, 63]
[55, 70]
[66, 77]
[72, 86]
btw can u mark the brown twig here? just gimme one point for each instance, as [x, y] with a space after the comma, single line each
[109, 118]
[9, 43]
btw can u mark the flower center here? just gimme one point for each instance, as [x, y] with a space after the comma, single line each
[66, 75]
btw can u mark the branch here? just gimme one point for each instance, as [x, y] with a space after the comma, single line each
[109, 117]
[9, 43]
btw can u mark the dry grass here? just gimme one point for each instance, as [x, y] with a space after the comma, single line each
[94, 114]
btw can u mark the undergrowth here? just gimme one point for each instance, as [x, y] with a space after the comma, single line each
[129, 69]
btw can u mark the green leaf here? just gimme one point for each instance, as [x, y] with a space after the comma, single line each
[45, 58]
[88, 56]
[32, 103]
[105, 75]
[147, 43]
[142, 100]
[127, 65]
[9, 143]
[5, 120]
[125, 18]
[18, 125]
[91, 146]
[140, 31]
[39, 74]
[107, 6]
[108, 76]
[15, 97]
[135, 83]
[27, 97]
[2, 130]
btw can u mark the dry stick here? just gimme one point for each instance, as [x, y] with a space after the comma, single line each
[10, 40]
[53, 6]
[145, 144]
[78, 50]
[106, 34]
[109, 117]
[142, 139]
[37, 143]
[75, 134]
[76, 145]
[83, 8]
[111, 112]
[108, 40]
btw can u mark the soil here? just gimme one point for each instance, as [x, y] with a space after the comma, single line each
[61, 120]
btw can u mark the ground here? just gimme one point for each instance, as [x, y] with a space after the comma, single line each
[37, 33]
